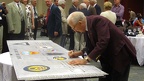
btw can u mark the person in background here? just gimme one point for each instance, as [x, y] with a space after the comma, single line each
[138, 15]
[73, 8]
[132, 16]
[108, 13]
[104, 41]
[61, 6]
[83, 8]
[96, 6]
[138, 23]
[35, 13]
[53, 21]
[56, 2]
[79, 38]
[29, 15]
[91, 10]
[5, 28]
[119, 10]
[2, 12]
[16, 19]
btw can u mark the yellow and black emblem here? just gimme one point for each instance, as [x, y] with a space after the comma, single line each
[36, 68]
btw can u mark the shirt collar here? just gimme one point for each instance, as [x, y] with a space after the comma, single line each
[94, 5]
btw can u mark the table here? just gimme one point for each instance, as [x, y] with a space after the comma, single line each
[138, 43]
[45, 60]
[7, 72]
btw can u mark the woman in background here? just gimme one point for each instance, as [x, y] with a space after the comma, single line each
[108, 13]
[30, 17]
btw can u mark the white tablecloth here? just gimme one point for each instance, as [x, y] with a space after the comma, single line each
[138, 42]
[6, 68]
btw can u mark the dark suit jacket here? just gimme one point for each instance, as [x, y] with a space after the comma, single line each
[72, 9]
[54, 21]
[92, 10]
[105, 39]
[85, 11]
[98, 9]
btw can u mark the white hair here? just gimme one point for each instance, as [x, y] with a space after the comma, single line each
[95, 1]
[60, 2]
[73, 1]
[75, 17]
[83, 5]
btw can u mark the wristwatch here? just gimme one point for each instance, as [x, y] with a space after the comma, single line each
[87, 59]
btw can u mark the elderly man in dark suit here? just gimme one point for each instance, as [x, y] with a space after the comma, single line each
[53, 21]
[104, 42]
[96, 6]
[74, 7]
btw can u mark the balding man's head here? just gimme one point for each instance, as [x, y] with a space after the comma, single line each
[77, 21]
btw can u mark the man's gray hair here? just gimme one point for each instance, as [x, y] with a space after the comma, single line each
[73, 1]
[83, 5]
[95, 1]
[75, 17]
[60, 2]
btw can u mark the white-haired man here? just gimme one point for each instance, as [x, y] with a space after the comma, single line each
[96, 6]
[74, 7]
[104, 41]
[91, 10]
[61, 6]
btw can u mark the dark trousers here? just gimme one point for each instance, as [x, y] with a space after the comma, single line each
[19, 36]
[5, 35]
[36, 27]
[118, 23]
[71, 32]
[119, 70]
[114, 75]
[63, 40]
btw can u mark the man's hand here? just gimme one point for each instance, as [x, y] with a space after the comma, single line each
[73, 54]
[56, 34]
[78, 62]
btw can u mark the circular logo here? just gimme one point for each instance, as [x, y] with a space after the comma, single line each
[59, 58]
[36, 68]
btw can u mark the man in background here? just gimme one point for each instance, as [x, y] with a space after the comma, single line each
[96, 6]
[91, 10]
[2, 12]
[16, 19]
[119, 10]
[73, 8]
[56, 2]
[53, 22]
[34, 9]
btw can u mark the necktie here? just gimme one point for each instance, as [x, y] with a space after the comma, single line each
[48, 12]
[20, 11]
[35, 13]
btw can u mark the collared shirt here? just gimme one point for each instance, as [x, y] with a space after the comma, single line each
[94, 5]
[35, 16]
[75, 7]
[119, 10]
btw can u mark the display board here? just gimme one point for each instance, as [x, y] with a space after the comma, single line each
[43, 59]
